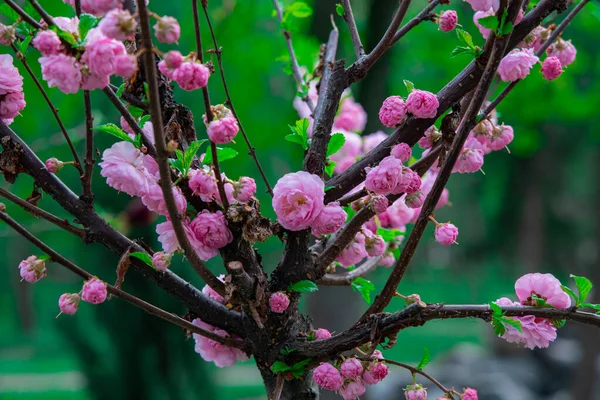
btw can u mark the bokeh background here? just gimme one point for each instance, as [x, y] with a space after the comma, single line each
[536, 209]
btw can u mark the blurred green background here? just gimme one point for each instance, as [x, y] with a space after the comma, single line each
[536, 209]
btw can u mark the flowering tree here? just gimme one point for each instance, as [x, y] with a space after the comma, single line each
[348, 208]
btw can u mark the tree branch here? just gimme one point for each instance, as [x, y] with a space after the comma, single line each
[86, 179]
[346, 278]
[425, 15]
[414, 371]
[24, 16]
[359, 50]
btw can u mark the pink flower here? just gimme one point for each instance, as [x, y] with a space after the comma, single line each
[173, 60]
[101, 56]
[67, 24]
[61, 71]
[354, 252]
[10, 106]
[210, 292]
[422, 104]
[32, 269]
[485, 32]
[379, 203]
[97, 7]
[392, 111]
[53, 165]
[545, 286]
[536, 332]
[402, 152]
[352, 116]
[211, 229]
[244, 189]
[374, 244]
[118, 24]
[446, 234]
[448, 20]
[68, 303]
[211, 351]
[298, 199]
[563, 50]
[7, 35]
[399, 214]
[123, 167]
[431, 136]
[223, 130]
[517, 65]
[373, 140]
[47, 42]
[191, 75]
[469, 394]
[385, 178]
[91, 81]
[155, 201]
[328, 377]
[204, 184]
[469, 161]
[10, 79]
[351, 368]
[551, 68]
[352, 390]
[321, 334]
[501, 137]
[387, 260]
[412, 179]
[347, 155]
[331, 218]
[125, 65]
[484, 5]
[415, 392]
[375, 373]
[279, 302]
[415, 200]
[167, 29]
[94, 291]
[161, 260]
[483, 131]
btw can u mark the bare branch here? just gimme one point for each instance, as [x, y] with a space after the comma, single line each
[426, 14]
[86, 179]
[359, 50]
[346, 278]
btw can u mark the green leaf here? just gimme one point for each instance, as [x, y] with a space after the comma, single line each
[568, 291]
[145, 119]
[409, 86]
[223, 154]
[558, 323]
[424, 360]
[9, 12]
[594, 306]
[86, 23]
[301, 365]
[584, 286]
[496, 309]
[120, 90]
[300, 130]
[328, 188]
[280, 366]
[515, 323]
[540, 301]
[508, 28]
[303, 287]
[292, 137]
[66, 36]
[138, 141]
[176, 164]
[190, 153]
[389, 234]
[459, 50]
[490, 22]
[330, 167]
[339, 9]
[24, 29]
[499, 328]
[364, 287]
[145, 257]
[299, 9]
[336, 142]
[24, 45]
[114, 130]
[466, 37]
[135, 112]
[286, 350]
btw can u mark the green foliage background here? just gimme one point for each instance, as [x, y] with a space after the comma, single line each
[534, 210]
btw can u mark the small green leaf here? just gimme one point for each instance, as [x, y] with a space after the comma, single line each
[364, 287]
[328, 188]
[584, 287]
[301, 365]
[66, 36]
[190, 153]
[117, 132]
[339, 9]
[145, 257]
[335, 143]
[280, 366]
[459, 50]
[594, 306]
[86, 23]
[508, 28]
[303, 287]
[120, 90]
[300, 130]
[499, 328]
[136, 112]
[176, 164]
[409, 86]
[330, 167]
[568, 291]
[299, 9]
[145, 119]
[466, 37]
[292, 137]
[496, 309]
[286, 350]
[389, 234]
[138, 141]
[24, 29]
[558, 323]
[424, 360]
[490, 22]
[515, 323]
[24, 45]
[223, 154]
[540, 301]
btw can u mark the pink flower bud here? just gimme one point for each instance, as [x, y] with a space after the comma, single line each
[374, 244]
[351, 368]
[69, 303]
[11, 105]
[244, 189]
[432, 135]
[413, 298]
[47, 42]
[387, 260]
[386, 177]
[402, 152]
[563, 50]
[377, 355]
[54, 165]
[469, 161]
[94, 291]
[354, 252]
[446, 234]
[328, 377]
[126, 65]
[211, 229]
[223, 130]
[32, 269]
[375, 373]
[331, 218]
[422, 104]
[321, 334]
[118, 24]
[413, 180]
[501, 137]
[392, 111]
[551, 68]
[279, 302]
[448, 20]
[203, 184]
[415, 392]
[352, 390]
[378, 203]
[172, 61]
[7, 34]
[161, 260]
[191, 75]
[415, 200]
[469, 394]
[517, 65]
[167, 30]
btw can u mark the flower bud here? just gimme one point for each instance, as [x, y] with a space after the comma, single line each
[161, 260]
[32, 269]
[379, 203]
[321, 334]
[172, 146]
[69, 303]
[551, 68]
[167, 29]
[415, 392]
[7, 34]
[2, 207]
[53, 165]
[402, 151]
[94, 291]
[118, 24]
[278, 302]
[446, 234]
[448, 20]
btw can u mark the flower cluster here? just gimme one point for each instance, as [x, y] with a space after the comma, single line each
[12, 100]
[419, 103]
[188, 72]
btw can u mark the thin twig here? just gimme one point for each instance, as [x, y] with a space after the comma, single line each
[86, 179]
[251, 150]
[278, 387]
[359, 50]
[44, 14]
[130, 98]
[346, 278]
[424, 15]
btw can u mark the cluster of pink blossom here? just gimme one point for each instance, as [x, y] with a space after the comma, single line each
[97, 7]
[186, 71]
[535, 290]
[223, 127]
[203, 183]
[350, 378]
[419, 392]
[12, 100]
[419, 103]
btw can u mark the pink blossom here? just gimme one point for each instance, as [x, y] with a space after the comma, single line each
[126, 65]
[352, 116]
[155, 201]
[351, 390]
[167, 29]
[97, 7]
[431, 136]
[173, 60]
[328, 377]
[321, 334]
[551, 68]
[563, 50]
[211, 229]
[7, 34]
[448, 20]
[32, 269]
[378, 203]
[101, 55]
[422, 104]
[517, 64]
[228, 192]
[168, 239]
[68, 303]
[67, 24]
[10, 79]
[387, 260]
[501, 137]
[123, 167]
[354, 252]
[210, 292]
[469, 394]
[484, 5]
[399, 214]
[415, 200]
[298, 199]
[469, 161]
[483, 131]
[279, 302]
[223, 130]
[161, 260]
[393, 111]
[94, 291]
[377, 355]
[47, 42]
[544, 286]
[374, 244]
[244, 189]
[91, 81]
[412, 179]
[212, 351]
[351, 368]
[375, 373]
[191, 75]
[485, 32]
[61, 71]
[204, 184]
[373, 140]
[415, 392]
[536, 332]
[386, 177]
[10, 106]
[446, 234]
[402, 151]
[331, 218]
[118, 24]
[53, 165]
[347, 155]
